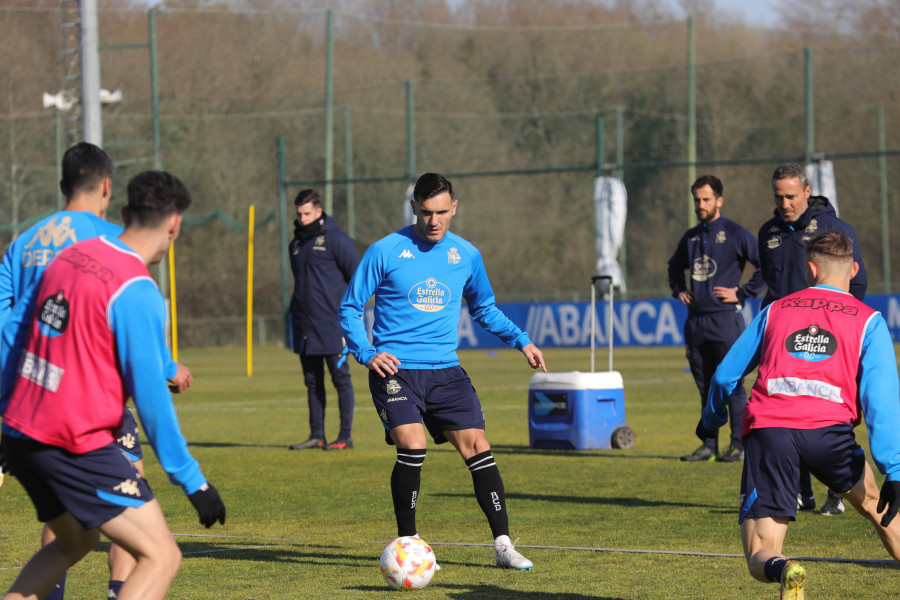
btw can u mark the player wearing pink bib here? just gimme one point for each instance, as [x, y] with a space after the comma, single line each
[97, 338]
[824, 359]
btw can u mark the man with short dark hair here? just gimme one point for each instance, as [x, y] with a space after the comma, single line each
[419, 276]
[782, 240]
[323, 259]
[96, 339]
[715, 253]
[825, 359]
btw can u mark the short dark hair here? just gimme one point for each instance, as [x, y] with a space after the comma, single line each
[830, 244]
[154, 196]
[789, 170]
[712, 181]
[306, 196]
[430, 185]
[84, 167]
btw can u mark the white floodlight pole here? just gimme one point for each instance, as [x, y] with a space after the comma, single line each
[90, 73]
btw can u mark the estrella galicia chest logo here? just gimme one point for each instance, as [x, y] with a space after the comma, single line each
[54, 315]
[430, 295]
[812, 344]
[703, 268]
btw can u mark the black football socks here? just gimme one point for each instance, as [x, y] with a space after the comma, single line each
[489, 491]
[405, 480]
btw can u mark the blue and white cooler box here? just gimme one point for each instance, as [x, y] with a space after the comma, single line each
[578, 411]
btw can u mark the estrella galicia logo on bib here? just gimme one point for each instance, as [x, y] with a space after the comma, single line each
[53, 315]
[812, 344]
[430, 295]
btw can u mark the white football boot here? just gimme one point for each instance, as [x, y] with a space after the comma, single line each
[507, 557]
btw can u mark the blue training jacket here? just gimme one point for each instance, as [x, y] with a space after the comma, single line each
[715, 254]
[782, 250]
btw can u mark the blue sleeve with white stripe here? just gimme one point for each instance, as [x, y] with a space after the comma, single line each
[137, 319]
[741, 359]
[879, 394]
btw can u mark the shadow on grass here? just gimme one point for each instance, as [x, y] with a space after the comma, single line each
[566, 453]
[488, 592]
[273, 553]
[234, 445]
[614, 501]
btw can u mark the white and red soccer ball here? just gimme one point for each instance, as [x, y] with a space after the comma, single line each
[408, 563]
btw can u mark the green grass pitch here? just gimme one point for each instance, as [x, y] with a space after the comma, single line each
[312, 524]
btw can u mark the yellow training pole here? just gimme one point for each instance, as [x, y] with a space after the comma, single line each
[172, 302]
[250, 294]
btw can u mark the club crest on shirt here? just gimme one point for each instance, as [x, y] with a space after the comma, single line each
[392, 387]
[319, 244]
[812, 227]
[430, 295]
[811, 343]
[720, 237]
[453, 256]
[53, 315]
[703, 268]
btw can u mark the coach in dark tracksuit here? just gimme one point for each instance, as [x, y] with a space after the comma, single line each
[715, 252]
[799, 216]
[323, 259]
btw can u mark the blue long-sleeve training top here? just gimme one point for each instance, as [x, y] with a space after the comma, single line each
[419, 288]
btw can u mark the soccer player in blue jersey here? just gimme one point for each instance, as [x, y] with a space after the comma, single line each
[419, 276]
[87, 185]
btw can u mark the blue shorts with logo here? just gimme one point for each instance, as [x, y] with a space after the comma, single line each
[442, 399]
[127, 439]
[92, 487]
[774, 456]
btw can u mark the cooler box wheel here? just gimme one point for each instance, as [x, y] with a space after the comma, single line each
[623, 438]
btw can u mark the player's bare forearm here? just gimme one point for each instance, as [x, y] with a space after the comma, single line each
[384, 363]
[535, 357]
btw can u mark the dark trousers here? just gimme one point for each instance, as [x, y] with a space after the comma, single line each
[314, 377]
[707, 338]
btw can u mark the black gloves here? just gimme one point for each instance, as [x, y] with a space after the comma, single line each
[890, 497]
[208, 505]
[702, 432]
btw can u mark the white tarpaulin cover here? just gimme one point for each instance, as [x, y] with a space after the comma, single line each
[611, 209]
[821, 180]
[408, 217]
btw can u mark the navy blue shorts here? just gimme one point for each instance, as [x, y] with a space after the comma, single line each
[442, 399]
[127, 438]
[774, 456]
[92, 487]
